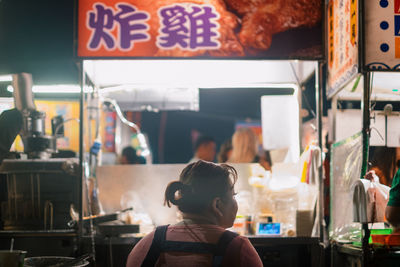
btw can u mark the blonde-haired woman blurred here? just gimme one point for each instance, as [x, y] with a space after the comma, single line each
[245, 148]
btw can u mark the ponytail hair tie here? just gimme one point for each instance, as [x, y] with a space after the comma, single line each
[170, 192]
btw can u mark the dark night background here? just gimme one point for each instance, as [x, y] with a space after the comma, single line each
[38, 37]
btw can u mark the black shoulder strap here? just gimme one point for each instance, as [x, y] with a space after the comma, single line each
[160, 244]
[222, 245]
[155, 249]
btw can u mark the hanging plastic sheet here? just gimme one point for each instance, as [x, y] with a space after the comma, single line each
[346, 161]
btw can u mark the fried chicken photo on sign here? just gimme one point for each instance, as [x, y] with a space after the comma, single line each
[261, 19]
[228, 22]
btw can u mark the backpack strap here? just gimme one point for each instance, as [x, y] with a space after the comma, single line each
[156, 246]
[159, 244]
[222, 245]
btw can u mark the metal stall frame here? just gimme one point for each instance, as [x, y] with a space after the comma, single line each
[81, 148]
[365, 106]
[319, 115]
[365, 136]
[84, 81]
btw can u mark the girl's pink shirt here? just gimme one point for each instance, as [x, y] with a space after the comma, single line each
[240, 251]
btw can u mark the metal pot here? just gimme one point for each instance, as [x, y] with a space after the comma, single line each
[52, 261]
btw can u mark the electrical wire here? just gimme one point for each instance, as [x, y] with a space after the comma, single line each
[141, 137]
[120, 115]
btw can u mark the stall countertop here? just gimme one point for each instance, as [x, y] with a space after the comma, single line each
[41, 233]
[255, 240]
[280, 240]
[358, 251]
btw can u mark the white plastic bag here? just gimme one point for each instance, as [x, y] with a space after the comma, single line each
[370, 199]
[381, 199]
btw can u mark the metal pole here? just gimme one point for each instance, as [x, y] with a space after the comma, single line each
[318, 117]
[81, 149]
[299, 100]
[365, 105]
[334, 113]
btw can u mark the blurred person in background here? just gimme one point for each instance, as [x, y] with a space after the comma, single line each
[225, 151]
[129, 156]
[204, 149]
[385, 165]
[385, 162]
[245, 149]
[10, 126]
[392, 211]
[205, 196]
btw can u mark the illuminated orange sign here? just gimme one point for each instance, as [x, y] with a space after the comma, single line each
[194, 28]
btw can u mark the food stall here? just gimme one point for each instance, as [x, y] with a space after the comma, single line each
[177, 45]
[157, 46]
[362, 85]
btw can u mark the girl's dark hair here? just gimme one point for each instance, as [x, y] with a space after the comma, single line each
[199, 183]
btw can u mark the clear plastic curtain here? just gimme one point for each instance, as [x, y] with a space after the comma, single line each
[346, 161]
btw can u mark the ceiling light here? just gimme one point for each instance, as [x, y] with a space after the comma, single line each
[5, 78]
[58, 89]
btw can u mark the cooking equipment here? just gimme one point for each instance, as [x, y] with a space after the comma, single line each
[75, 261]
[117, 229]
[36, 143]
[54, 261]
[38, 193]
[97, 219]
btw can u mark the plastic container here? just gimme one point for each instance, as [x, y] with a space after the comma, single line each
[285, 213]
[13, 258]
[388, 240]
[375, 232]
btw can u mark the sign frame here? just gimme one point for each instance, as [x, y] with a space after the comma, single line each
[320, 56]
